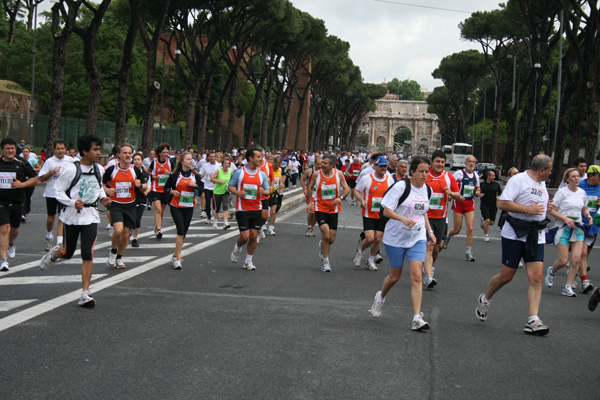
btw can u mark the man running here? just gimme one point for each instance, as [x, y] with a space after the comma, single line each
[305, 182]
[591, 185]
[248, 184]
[276, 198]
[468, 181]
[268, 170]
[353, 172]
[160, 170]
[206, 172]
[490, 194]
[526, 199]
[331, 190]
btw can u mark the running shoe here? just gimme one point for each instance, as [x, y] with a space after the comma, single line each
[586, 286]
[358, 258]
[377, 305]
[521, 264]
[226, 226]
[310, 232]
[86, 300]
[594, 300]
[370, 265]
[4, 265]
[481, 222]
[486, 238]
[235, 255]
[549, 280]
[419, 325]
[482, 309]
[135, 243]
[447, 240]
[203, 214]
[108, 226]
[568, 291]
[271, 232]
[110, 231]
[320, 252]
[469, 257]
[326, 267]
[262, 234]
[120, 264]
[12, 251]
[215, 225]
[158, 234]
[249, 265]
[47, 259]
[23, 218]
[112, 258]
[574, 285]
[48, 244]
[536, 327]
[173, 259]
[378, 257]
[177, 264]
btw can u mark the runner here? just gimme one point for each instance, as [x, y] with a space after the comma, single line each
[526, 199]
[15, 176]
[369, 192]
[406, 235]
[79, 188]
[141, 198]
[444, 187]
[305, 182]
[490, 194]
[206, 172]
[353, 171]
[326, 203]
[468, 181]
[119, 182]
[591, 186]
[159, 170]
[221, 179]
[50, 172]
[401, 170]
[28, 156]
[276, 198]
[248, 183]
[268, 170]
[182, 185]
[293, 168]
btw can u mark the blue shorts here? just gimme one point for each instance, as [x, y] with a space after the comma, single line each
[566, 236]
[396, 254]
[514, 250]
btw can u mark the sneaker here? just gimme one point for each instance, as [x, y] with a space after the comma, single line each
[215, 225]
[521, 264]
[568, 291]
[594, 300]
[110, 231]
[486, 238]
[358, 259]
[249, 266]
[120, 264]
[586, 286]
[481, 222]
[4, 265]
[177, 263]
[108, 226]
[432, 284]
[112, 258]
[320, 253]
[262, 234]
[326, 267]
[536, 327]
[370, 265]
[429, 281]
[86, 300]
[377, 305]
[549, 280]
[258, 239]
[482, 309]
[235, 255]
[12, 251]
[135, 243]
[447, 240]
[203, 214]
[48, 243]
[419, 325]
[158, 234]
[271, 232]
[226, 226]
[469, 257]
[47, 259]
[378, 257]
[309, 232]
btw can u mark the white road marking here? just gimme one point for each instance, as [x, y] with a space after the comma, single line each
[29, 280]
[9, 305]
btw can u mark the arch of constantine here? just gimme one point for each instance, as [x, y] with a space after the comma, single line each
[392, 115]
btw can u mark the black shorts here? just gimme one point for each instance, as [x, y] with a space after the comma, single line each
[10, 213]
[374, 224]
[265, 204]
[53, 206]
[439, 228]
[125, 213]
[164, 198]
[327, 219]
[88, 235]
[514, 250]
[248, 220]
[276, 200]
[139, 212]
[489, 213]
[351, 183]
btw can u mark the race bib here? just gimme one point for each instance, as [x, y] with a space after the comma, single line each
[592, 203]
[6, 179]
[328, 192]
[186, 199]
[251, 191]
[376, 204]
[276, 183]
[468, 191]
[356, 172]
[435, 203]
[162, 179]
[123, 190]
[294, 171]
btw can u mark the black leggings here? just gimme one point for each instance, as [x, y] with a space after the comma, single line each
[139, 212]
[88, 239]
[210, 202]
[182, 217]
[221, 201]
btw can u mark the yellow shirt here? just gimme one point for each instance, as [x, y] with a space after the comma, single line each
[276, 178]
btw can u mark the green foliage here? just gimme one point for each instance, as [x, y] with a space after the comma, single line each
[407, 89]
[402, 135]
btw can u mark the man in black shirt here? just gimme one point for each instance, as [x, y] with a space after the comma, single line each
[15, 176]
[490, 193]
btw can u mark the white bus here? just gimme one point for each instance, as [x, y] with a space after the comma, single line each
[459, 154]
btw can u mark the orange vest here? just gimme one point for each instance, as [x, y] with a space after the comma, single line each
[187, 197]
[373, 195]
[162, 171]
[268, 170]
[123, 181]
[438, 204]
[251, 183]
[328, 189]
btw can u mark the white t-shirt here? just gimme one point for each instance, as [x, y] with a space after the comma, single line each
[415, 207]
[293, 167]
[48, 166]
[564, 184]
[207, 172]
[523, 190]
[87, 189]
[570, 203]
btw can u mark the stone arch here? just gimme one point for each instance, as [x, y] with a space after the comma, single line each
[398, 129]
[381, 143]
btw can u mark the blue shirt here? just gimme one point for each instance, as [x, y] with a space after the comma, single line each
[592, 192]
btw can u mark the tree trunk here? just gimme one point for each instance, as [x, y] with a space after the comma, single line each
[12, 19]
[191, 111]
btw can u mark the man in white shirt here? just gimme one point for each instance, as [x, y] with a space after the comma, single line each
[206, 172]
[148, 160]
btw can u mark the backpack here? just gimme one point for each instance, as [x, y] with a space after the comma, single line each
[78, 173]
[404, 195]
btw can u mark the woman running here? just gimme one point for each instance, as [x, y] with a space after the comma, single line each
[181, 185]
[141, 197]
[221, 179]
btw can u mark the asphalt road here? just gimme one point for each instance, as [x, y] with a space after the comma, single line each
[284, 331]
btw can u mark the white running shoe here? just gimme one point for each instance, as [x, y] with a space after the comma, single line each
[235, 255]
[536, 327]
[271, 231]
[86, 300]
[110, 231]
[358, 259]
[419, 325]
[549, 280]
[469, 257]
[119, 264]
[378, 257]
[108, 226]
[249, 265]
[586, 286]
[112, 258]
[48, 243]
[226, 226]
[309, 232]
[177, 263]
[215, 225]
[262, 234]
[12, 251]
[326, 267]
[377, 305]
[370, 265]
[4, 265]
[486, 238]
[482, 309]
[568, 291]
[203, 214]
[427, 280]
[47, 259]
[481, 223]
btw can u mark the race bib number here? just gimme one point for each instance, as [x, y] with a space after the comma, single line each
[251, 191]
[435, 203]
[328, 192]
[122, 189]
[294, 171]
[592, 203]
[468, 191]
[356, 172]
[6, 179]
[186, 199]
[376, 204]
[162, 179]
[276, 183]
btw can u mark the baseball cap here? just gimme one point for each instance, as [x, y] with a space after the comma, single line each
[381, 161]
[593, 169]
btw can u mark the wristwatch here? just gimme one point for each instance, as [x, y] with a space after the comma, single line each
[342, 198]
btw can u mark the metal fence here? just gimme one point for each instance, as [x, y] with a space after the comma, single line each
[17, 126]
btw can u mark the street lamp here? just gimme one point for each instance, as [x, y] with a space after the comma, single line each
[31, 106]
[162, 88]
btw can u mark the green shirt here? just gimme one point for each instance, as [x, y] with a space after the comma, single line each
[221, 188]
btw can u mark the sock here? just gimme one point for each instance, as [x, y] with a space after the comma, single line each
[371, 258]
[483, 299]
[59, 240]
[248, 257]
[468, 249]
[583, 278]
[114, 251]
[236, 248]
[416, 317]
[551, 271]
[119, 256]
[532, 318]
[325, 259]
[49, 235]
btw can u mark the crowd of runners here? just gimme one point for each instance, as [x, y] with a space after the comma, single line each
[405, 200]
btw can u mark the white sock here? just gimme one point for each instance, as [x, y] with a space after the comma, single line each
[59, 239]
[483, 299]
[236, 248]
[248, 258]
[468, 249]
[49, 235]
[326, 259]
[532, 318]
[416, 317]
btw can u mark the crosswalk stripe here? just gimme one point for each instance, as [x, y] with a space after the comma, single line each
[100, 260]
[28, 280]
[190, 236]
[11, 304]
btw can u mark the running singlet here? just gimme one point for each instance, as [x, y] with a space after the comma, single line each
[276, 179]
[268, 170]
[354, 171]
[328, 189]
[251, 184]
[467, 183]
[187, 197]
[162, 171]
[221, 188]
[438, 204]
[123, 181]
[373, 190]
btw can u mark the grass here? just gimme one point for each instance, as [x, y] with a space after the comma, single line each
[11, 87]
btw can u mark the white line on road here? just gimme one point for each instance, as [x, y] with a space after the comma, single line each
[11, 304]
[28, 280]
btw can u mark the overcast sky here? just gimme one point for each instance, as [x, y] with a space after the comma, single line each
[392, 40]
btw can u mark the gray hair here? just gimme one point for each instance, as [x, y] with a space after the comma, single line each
[403, 162]
[539, 162]
[331, 158]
